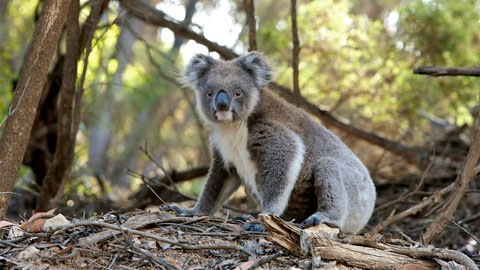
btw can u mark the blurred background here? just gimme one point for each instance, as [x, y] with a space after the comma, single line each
[356, 64]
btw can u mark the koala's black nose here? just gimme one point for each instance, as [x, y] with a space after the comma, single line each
[222, 101]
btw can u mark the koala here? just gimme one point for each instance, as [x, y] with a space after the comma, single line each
[292, 165]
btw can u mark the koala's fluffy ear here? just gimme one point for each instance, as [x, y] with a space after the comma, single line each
[256, 65]
[197, 68]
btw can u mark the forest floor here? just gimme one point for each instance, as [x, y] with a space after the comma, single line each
[161, 240]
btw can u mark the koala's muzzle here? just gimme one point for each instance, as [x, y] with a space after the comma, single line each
[222, 101]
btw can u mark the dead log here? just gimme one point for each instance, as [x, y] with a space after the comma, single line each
[325, 243]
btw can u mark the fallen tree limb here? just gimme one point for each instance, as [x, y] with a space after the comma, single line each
[323, 243]
[447, 71]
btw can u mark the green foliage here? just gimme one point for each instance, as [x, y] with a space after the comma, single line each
[16, 29]
[362, 68]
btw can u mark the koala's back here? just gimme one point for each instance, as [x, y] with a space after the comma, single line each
[323, 150]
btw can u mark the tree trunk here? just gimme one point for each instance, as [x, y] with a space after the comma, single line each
[62, 157]
[70, 102]
[27, 95]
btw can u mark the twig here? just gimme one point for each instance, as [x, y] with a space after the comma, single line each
[447, 71]
[8, 243]
[144, 234]
[158, 262]
[410, 194]
[150, 157]
[252, 31]
[295, 48]
[112, 263]
[142, 177]
[460, 186]
[470, 219]
[182, 176]
[265, 260]
[412, 210]
[154, 259]
[145, 178]
[465, 230]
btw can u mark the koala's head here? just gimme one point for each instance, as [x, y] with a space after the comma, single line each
[227, 91]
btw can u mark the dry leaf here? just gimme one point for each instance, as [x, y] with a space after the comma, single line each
[35, 223]
[245, 265]
[64, 251]
[55, 221]
[15, 232]
[28, 253]
[4, 223]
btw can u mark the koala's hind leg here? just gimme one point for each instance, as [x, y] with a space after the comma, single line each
[279, 155]
[332, 197]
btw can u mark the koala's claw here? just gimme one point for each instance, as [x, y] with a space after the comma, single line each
[314, 220]
[253, 227]
[178, 210]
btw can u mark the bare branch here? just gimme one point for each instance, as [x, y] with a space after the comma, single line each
[460, 186]
[447, 71]
[252, 28]
[156, 17]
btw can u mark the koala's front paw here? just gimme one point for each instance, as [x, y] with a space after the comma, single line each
[253, 227]
[178, 210]
[317, 219]
[250, 224]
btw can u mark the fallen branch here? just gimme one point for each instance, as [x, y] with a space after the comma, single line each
[322, 243]
[120, 228]
[447, 71]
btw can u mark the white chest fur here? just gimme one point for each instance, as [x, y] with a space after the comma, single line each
[231, 140]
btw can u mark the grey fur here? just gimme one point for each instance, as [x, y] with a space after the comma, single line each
[291, 164]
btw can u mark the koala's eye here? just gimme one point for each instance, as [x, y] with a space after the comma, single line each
[238, 93]
[210, 94]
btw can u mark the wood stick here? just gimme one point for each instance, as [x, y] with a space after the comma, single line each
[447, 71]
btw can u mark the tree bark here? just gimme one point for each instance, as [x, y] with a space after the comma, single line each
[62, 158]
[70, 101]
[448, 71]
[27, 95]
